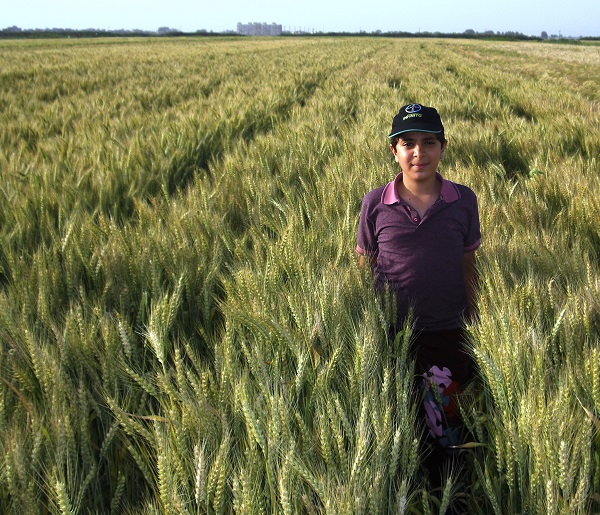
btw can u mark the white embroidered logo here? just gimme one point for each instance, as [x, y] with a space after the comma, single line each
[413, 108]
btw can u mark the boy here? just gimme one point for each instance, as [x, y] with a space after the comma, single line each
[419, 234]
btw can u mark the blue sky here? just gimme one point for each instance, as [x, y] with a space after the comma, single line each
[573, 18]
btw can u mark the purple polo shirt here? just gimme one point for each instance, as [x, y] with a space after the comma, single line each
[422, 258]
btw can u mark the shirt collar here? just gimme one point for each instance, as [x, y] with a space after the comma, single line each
[448, 193]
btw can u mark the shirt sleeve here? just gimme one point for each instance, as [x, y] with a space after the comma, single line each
[366, 240]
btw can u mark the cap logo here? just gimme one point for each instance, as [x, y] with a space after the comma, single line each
[413, 108]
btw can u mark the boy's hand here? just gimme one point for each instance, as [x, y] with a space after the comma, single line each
[363, 260]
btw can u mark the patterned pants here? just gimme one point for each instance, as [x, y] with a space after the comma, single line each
[439, 391]
[443, 367]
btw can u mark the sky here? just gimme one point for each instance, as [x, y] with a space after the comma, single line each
[530, 17]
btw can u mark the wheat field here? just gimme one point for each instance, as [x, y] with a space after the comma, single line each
[183, 324]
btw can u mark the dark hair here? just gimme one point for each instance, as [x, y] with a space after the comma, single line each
[439, 136]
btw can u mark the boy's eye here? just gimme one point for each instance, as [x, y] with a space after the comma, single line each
[427, 142]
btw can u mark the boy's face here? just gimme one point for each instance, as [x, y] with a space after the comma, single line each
[418, 154]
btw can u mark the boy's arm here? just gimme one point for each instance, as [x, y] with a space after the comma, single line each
[471, 283]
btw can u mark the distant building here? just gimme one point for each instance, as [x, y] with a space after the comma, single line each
[259, 29]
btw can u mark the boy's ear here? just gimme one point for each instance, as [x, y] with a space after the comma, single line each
[444, 146]
[394, 151]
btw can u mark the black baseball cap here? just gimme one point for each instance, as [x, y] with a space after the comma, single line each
[416, 117]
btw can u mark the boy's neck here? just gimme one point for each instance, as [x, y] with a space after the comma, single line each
[419, 188]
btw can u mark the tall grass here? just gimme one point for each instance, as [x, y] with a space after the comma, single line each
[183, 324]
